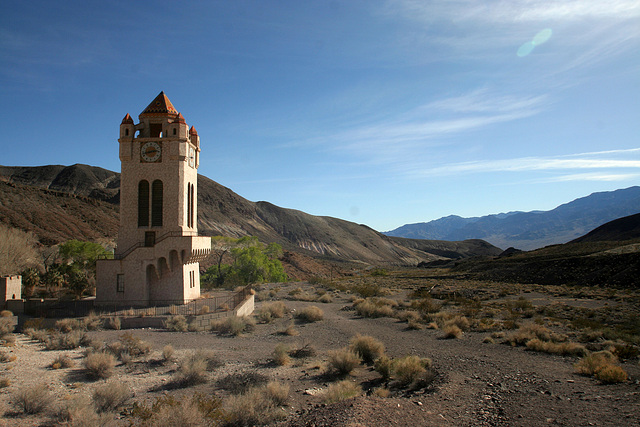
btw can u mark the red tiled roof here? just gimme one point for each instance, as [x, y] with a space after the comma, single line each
[127, 120]
[193, 131]
[161, 106]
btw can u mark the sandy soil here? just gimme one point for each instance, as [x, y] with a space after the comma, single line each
[478, 384]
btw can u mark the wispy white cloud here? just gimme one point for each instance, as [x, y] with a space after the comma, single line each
[609, 177]
[609, 160]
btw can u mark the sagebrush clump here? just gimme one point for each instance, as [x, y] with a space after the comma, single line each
[367, 347]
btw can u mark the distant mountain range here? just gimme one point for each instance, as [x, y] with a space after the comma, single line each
[531, 230]
[81, 202]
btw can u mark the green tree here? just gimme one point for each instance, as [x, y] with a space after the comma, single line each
[79, 264]
[253, 262]
[30, 279]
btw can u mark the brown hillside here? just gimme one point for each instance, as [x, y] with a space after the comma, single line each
[221, 212]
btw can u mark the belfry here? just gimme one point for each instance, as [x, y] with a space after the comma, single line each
[158, 251]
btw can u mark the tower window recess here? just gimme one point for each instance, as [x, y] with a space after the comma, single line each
[120, 283]
[143, 203]
[156, 203]
[190, 205]
[174, 131]
[155, 130]
[126, 132]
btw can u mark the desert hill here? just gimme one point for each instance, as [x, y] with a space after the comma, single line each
[83, 199]
[531, 230]
[607, 256]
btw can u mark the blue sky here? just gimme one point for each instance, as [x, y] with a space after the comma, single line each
[377, 112]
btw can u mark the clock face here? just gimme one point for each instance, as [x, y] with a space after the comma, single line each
[150, 151]
[192, 157]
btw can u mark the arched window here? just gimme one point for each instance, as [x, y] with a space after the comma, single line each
[143, 203]
[156, 203]
[192, 206]
[189, 205]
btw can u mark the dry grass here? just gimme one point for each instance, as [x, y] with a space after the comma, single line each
[601, 365]
[33, 400]
[367, 347]
[99, 365]
[234, 325]
[408, 369]
[375, 307]
[270, 311]
[255, 407]
[452, 331]
[62, 361]
[111, 395]
[342, 390]
[310, 314]
[564, 348]
[281, 355]
[176, 323]
[342, 362]
[167, 353]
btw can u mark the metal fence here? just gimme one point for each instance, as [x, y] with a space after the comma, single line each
[79, 308]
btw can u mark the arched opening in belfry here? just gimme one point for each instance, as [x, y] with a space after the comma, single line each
[156, 203]
[143, 203]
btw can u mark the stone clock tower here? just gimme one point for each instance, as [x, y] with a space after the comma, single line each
[158, 251]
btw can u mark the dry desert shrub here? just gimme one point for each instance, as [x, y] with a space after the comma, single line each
[612, 374]
[563, 348]
[80, 412]
[252, 408]
[242, 382]
[99, 365]
[408, 369]
[176, 323]
[281, 355]
[6, 326]
[64, 341]
[109, 396]
[452, 331]
[384, 366]
[114, 323]
[5, 358]
[367, 347]
[602, 365]
[529, 332]
[34, 399]
[427, 305]
[133, 345]
[4, 382]
[6, 313]
[234, 325]
[310, 314]
[91, 322]
[408, 316]
[270, 311]
[303, 352]
[167, 411]
[203, 310]
[167, 353]
[342, 390]
[325, 299]
[342, 362]
[193, 369]
[460, 321]
[290, 330]
[62, 361]
[68, 325]
[373, 308]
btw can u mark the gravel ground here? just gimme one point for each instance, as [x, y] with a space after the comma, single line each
[478, 384]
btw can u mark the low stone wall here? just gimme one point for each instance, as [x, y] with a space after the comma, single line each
[203, 322]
